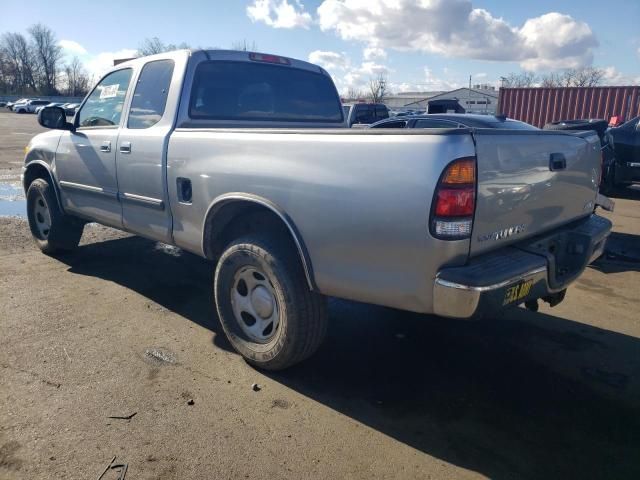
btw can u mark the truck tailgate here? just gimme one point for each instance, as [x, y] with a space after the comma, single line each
[531, 182]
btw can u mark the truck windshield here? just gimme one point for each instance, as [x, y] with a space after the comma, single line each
[224, 90]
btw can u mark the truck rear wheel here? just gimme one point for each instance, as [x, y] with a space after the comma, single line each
[264, 304]
[52, 230]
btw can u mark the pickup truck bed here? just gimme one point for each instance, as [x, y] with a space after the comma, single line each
[248, 174]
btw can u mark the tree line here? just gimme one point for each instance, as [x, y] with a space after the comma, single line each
[33, 64]
[571, 77]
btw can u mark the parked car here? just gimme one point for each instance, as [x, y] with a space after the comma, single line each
[608, 181]
[70, 109]
[3, 104]
[452, 120]
[364, 113]
[626, 148]
[52, 104]
[10, 105]
[245, 159]
[29, 106]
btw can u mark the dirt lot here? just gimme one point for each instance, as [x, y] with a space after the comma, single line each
[126, 326]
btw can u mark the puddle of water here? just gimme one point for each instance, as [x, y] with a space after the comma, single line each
[12, 201]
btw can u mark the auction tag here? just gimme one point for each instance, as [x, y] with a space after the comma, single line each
[109, 91]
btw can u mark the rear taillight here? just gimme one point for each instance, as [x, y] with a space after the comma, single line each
[454, 201]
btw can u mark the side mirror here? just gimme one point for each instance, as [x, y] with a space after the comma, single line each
[54, 117]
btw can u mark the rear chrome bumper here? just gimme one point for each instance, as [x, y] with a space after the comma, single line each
[487, 282]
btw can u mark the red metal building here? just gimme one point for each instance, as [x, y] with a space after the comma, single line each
[538, 106]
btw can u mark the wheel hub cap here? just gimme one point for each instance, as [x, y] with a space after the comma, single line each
[254, 304]
[262, 301]
[42, 217]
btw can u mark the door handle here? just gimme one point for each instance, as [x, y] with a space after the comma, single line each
[125, 147]
[106, 146]
[557, 161]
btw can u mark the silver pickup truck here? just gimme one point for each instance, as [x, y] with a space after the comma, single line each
[245, 159]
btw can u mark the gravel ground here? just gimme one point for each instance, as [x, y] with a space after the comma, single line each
[126, 326]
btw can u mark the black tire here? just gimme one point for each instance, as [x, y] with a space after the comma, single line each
[608, 185]
[64, 231]
[302, 313]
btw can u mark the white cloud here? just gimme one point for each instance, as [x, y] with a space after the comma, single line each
[279, 14]
[558, 41]
[613, 77]
[374, 69]
[369, 53]
[433, 83]
[98, 64]
[454, 28]
[71, 47]
[95, 64]
[345, 73]
[330, 60]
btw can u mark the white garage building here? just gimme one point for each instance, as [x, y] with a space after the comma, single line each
[483, 99]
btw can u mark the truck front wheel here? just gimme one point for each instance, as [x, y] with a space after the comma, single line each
[264, 304]
[52, 230]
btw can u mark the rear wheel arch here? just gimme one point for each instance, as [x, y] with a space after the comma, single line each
[237, 215]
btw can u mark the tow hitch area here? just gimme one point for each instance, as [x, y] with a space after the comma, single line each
[605, 202]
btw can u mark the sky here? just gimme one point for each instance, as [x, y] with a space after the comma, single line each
[419, 45]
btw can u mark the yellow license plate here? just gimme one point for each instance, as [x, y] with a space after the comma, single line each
[517, 292]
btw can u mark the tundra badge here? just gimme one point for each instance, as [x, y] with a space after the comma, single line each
[502, 234]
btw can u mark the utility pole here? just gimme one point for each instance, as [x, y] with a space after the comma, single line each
[469, 82]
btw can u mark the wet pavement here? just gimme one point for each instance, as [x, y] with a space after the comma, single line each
[12, 200]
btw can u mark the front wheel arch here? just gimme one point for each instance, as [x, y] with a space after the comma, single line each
[35, 170]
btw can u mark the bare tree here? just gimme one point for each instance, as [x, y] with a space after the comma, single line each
[19, 63]
[48, 56]
[573, 77]
[354, 93]
[151, 46]
[76, 79]
[244, 45]
[587, 77]
[522, 79]
[551, 80]
[378, 89]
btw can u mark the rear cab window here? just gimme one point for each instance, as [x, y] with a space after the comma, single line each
[245, 91]
[150, 96]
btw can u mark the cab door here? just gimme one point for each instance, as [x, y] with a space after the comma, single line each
[86, 158]
[141, 152]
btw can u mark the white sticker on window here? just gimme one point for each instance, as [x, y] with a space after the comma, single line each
[109, 91]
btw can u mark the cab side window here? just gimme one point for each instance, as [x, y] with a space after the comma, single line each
[398, 124]
[150, 95]
[104, 106]
[435, 124]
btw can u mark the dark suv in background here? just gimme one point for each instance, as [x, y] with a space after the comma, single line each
[626, 149]
[364, 113]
